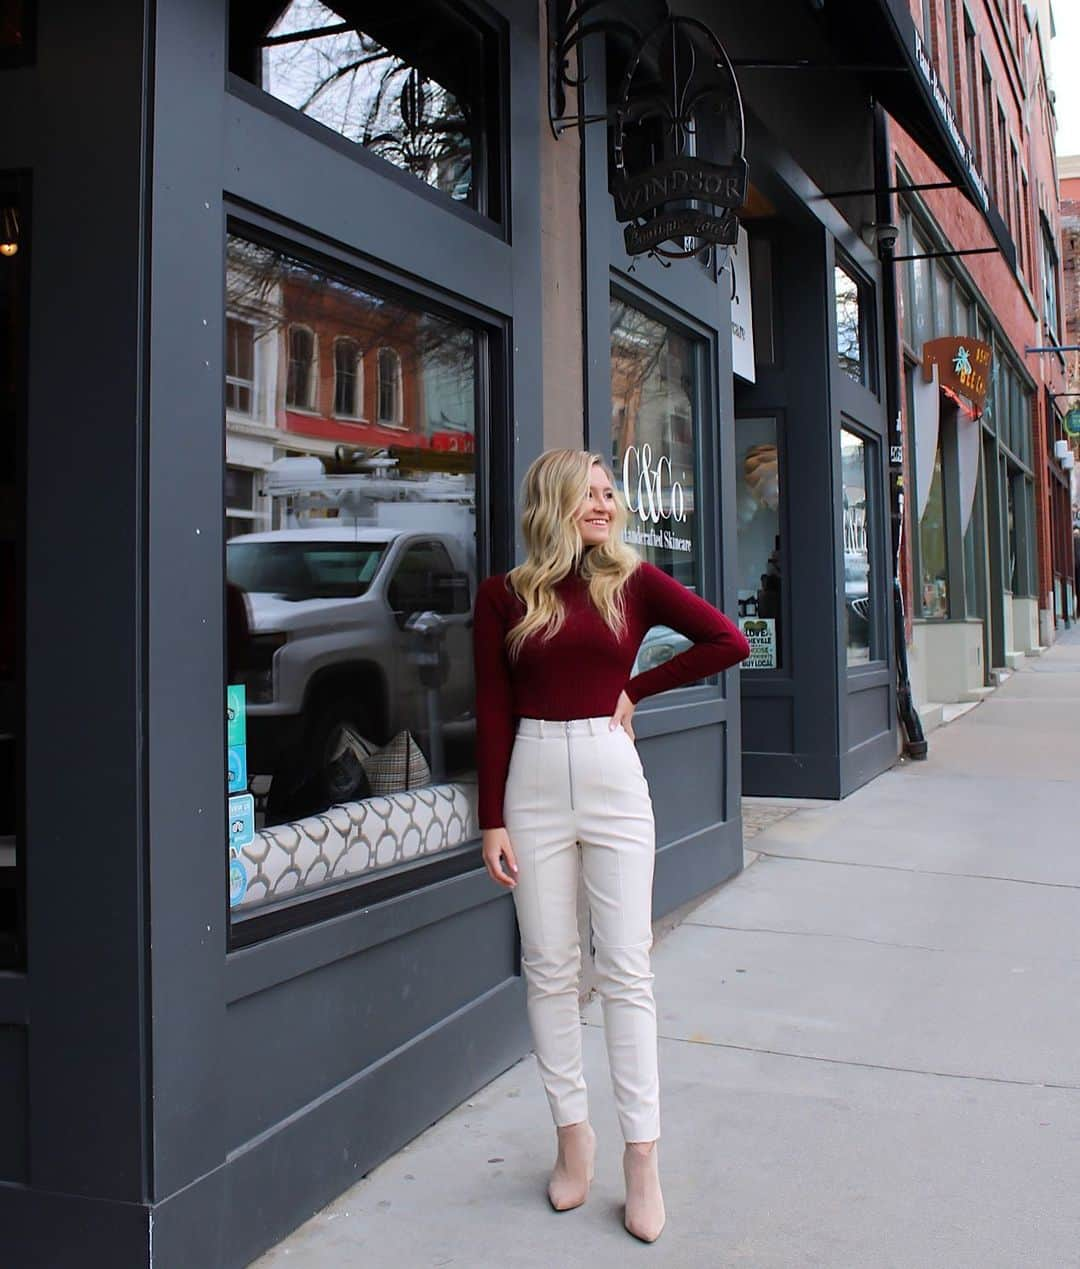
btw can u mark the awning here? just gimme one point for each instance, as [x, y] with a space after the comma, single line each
[880, 37]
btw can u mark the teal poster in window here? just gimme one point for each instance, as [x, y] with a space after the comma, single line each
[241, 821]
[236, 714]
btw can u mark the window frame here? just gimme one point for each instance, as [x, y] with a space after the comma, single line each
[234, 380]
[358, 416]
[397, 419]
[867, 298]
[877, 632]
[492, 211]
[494, 536]
[311, 406]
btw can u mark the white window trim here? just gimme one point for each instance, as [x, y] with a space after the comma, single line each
[399, 393]
[233, 380]
[360, 416]
[313, 405]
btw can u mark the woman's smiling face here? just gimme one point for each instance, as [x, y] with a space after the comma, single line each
[597, 510]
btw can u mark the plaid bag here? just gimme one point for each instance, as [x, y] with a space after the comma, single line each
[397, 766]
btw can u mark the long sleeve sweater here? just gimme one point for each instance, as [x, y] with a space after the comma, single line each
[580, 672]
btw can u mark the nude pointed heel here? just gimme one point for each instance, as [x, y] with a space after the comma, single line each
[645, 1216]
[568, 1188]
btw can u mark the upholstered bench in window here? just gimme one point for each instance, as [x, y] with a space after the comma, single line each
[354, 838]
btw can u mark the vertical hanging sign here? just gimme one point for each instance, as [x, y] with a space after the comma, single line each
[680, 173]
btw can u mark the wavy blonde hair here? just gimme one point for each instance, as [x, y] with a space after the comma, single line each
[552, 492]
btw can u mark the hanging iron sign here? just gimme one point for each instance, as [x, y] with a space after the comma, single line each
[680, 173]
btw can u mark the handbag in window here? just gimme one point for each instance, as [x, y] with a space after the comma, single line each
[398, 766]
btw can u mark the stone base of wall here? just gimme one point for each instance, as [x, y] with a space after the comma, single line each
[945, 661]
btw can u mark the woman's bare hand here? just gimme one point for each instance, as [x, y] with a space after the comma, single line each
[624, 711]
[498, 852]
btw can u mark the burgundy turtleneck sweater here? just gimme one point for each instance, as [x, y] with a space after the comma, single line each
[581, 671]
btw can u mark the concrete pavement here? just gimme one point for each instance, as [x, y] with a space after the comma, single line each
[870, 1045]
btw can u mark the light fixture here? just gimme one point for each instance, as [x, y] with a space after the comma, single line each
[9, 232]
[1061, 448]
[1068, 462]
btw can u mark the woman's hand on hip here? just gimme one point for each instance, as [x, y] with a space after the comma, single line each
[499, 857]
[624, 711]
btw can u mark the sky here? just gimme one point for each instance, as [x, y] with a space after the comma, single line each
[1065, 61]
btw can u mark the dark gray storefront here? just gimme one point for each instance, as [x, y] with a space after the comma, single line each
[202, 1042]
[196, 1049]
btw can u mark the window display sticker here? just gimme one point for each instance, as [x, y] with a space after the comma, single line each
[241, 821]
[238, 882]
[760, 633]
[236, 714]
[236, 769]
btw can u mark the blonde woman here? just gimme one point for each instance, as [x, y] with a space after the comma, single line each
[562, 789]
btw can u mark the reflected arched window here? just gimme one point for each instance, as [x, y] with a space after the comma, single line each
[389, 387]
[348, 379]
[300, 388]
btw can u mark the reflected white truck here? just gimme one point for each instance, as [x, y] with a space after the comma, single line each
[331, 656]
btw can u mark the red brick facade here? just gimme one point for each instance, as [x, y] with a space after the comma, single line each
[991, 55]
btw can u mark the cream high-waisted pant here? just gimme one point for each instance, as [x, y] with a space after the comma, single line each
[576, 801]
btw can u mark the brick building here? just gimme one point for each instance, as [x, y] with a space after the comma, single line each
[986, 506]
[1069, 173]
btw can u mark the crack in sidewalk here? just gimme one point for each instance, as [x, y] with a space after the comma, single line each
[869, 1066]
[922, 872]
[820, 934]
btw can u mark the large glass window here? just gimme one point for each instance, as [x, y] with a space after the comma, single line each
[348, 379]
[933, 553]
[761, 567]
[1049, 284]
[239, 365]
[849, 325]
[16, 32]
[300, 389]
[656, 416]
[14, 258]
[349, 690]
[859, 577]
[922, 320]
[415, 84]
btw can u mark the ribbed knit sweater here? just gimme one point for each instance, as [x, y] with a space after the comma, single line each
[581, 671]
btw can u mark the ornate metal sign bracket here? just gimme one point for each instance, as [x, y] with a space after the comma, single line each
[569, 23]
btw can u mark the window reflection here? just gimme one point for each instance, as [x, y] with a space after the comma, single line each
[408, 83]
[849, 325]
[349, 595]
[13, 276]
[933, 552]
[858, 578]
[656, 409]
[757, 510]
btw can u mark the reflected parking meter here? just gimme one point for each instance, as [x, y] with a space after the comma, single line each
[428, 654]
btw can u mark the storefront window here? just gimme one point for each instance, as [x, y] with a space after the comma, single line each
[656, 415]
[933, 555]
[349, 691]
[858, 572]
[854, 326]
[409, 83]
[757, 512]
[14, 257]
[1010, 481]
[921, 310]
[16, 31]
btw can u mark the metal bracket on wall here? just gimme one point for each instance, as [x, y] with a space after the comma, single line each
[569, 23]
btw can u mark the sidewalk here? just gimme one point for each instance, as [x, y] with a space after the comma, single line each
[870, 1046]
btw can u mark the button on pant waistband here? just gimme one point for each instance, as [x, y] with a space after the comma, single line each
[564, 727]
